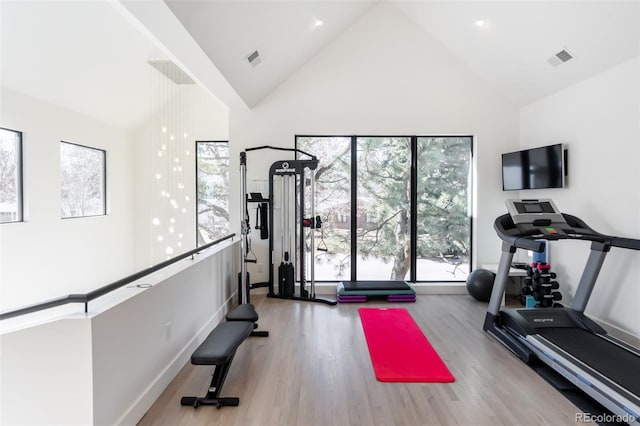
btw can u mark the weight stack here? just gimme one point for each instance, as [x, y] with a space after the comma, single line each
[286, 279]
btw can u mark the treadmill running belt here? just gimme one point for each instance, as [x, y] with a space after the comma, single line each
[614, 362]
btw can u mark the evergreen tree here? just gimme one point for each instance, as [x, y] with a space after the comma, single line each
[383, 198]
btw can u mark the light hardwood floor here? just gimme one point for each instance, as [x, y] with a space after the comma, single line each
[314, 369]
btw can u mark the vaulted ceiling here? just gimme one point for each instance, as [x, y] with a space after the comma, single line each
[510, 50]
[91, 57]
[83, 56]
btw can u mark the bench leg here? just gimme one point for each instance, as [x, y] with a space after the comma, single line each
[213, 395]
[259, 333]
[195, 402]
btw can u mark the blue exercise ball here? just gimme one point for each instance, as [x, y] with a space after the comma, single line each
[480, 284]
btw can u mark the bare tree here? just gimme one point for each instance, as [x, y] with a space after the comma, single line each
[213, 190]
[81, 180]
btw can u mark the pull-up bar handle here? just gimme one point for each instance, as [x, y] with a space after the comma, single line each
[277, 148]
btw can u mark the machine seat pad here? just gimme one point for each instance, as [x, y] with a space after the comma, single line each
[243, 312]
[221, 344]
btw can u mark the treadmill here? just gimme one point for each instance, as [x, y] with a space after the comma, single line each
[606, 369]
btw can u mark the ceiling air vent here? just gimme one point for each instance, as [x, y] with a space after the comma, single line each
[254, 58]
[560, 58]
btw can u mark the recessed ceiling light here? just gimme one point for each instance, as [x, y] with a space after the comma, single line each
[318, 23]
[481, 23]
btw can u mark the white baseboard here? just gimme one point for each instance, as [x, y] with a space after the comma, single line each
[329, 289]
[619, 333]
[421, 288]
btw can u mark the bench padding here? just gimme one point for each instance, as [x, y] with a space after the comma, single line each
[221, 344]
[243, 312]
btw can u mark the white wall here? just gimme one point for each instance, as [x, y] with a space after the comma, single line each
[384, 76]
[139, 346]
[109, 366]
[44, 256]
[208, 120]
[598, 120]
[46, 379]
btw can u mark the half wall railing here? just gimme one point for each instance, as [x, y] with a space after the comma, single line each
[92, 295]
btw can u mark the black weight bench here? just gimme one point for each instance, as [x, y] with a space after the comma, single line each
[246, 312]
[219, 349]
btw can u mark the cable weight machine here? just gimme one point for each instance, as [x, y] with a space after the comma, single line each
[244, 285]
[291, 176]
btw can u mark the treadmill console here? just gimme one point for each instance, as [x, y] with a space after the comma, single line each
[530, 219]
[540, 217]
[534, 212]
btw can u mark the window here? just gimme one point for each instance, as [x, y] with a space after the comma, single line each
[333, 204]
[443, 234]
[212, 169]
[10, 176]
[393, 207]
[82, 181]
[383, 207]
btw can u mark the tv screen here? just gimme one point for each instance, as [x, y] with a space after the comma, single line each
[536, 168]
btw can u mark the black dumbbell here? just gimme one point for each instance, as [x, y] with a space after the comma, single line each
[546, 303]
[538, 295]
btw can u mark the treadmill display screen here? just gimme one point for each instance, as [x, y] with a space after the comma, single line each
[533, 208]
[540, 207]
[530, 211]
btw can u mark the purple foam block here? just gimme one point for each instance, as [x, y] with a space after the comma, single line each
[348, 299]
[401, 298]
[352, 297]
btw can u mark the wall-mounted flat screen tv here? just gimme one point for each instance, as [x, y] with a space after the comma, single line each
[536, 168]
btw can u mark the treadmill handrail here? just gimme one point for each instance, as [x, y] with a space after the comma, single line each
[573, 229]
[515, 241]
[627, 243]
